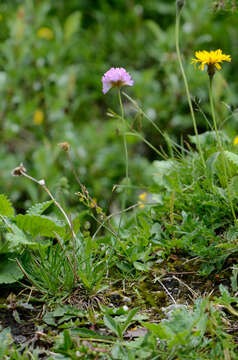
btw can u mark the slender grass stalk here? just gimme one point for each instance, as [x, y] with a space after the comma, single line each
[177, 25]
[164, 135]
[124, 198]
[220, 147]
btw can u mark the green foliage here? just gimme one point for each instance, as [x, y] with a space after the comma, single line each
[38, 209]
[186, 333]
[21, 232]
[62, 314]
[39, 225]
[116, 326]
[6, 208]
[50, 271]
[50, 83]
[9, 271]
[232, 157]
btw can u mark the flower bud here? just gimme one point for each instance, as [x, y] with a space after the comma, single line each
[179, 5]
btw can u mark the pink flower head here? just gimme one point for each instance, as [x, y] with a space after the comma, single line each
[116, 77]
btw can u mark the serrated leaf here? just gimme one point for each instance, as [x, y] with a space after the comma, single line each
[6, 208]
[16, 239]
[39, 225]
[38, 209]
[9, 272]
[112, 325]
[231, 157]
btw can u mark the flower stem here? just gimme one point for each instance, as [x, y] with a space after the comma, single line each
[124, 199]
[186, 86]
[220, 147]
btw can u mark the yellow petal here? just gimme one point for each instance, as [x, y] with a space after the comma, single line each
[235, 141]
[143, 196]
[38, 117]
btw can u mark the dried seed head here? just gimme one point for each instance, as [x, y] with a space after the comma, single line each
[18, 170]
[65, 146]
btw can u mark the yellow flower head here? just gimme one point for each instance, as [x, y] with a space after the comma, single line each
[142, 201]
[210, 58]
[235, 141]
[45, 33]
[38, 117]
[143, 196]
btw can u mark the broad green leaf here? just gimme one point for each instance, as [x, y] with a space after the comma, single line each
[231, 157]
[112, 325]
[162, 168]
[39, 225]
[209, 139]
[157, 330]
[6, 208]
[38, 209]
[17, 239]
[9, 271]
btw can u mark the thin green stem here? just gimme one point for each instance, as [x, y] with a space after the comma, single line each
[164, 135]
[213, 114]
[124, 198]
[220, 147]
[186, 85]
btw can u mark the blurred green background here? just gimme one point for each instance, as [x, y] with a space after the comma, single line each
[52, 57]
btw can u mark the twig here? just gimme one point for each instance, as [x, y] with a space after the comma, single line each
[184, 284]
[166, 290]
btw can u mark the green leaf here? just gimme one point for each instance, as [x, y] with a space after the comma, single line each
[72, 24]
[231, 157]
[6, 208]
[112, 325]
[49, 318]
[39, 208]
[208, 139]
[162, 169]
[129, 319]
[16, 239]
[156, 329]
[233, 187]
[39, 225]
[84, 332]
[9, 272]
